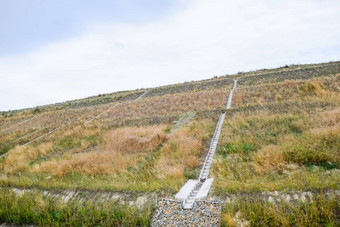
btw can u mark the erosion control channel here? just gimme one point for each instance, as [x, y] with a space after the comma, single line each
[190, 206]
[199, 189]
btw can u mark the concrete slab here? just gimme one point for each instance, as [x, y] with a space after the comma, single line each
[204, 190]
[186, 189]
[229, 99]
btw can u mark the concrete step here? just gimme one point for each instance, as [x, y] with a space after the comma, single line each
[202, 187]
[188, 205]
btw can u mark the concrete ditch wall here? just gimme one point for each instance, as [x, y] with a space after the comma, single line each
[277, 196]
[140, 201]
[151, 199]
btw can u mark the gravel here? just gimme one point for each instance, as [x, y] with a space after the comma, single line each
[170, 213]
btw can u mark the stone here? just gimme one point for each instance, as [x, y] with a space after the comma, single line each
[205, 213]
[271, 200]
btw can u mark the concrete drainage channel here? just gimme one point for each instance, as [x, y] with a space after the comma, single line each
[190, 206]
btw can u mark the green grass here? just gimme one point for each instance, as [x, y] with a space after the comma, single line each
[4, 148]
[33, 208]
[265, 150]
[321, 212]
[322, 150]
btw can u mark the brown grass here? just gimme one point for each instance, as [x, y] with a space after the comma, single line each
[314, 87]
[268, 160]
[124, 148]
[287, 91]
[106, 162]
[328, 118]
[183, 151]
[18, 158]
[229, 220]
[135, 139]
[171, 104]
[246, 163]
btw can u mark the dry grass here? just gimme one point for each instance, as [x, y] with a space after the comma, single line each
[252, 153]
[290, 90]
[328, 118]
[45, 122]
[269, 160]
[228, 219]
[19, 158]
[106, 162]
[262, 150]
[171, 104]
[183, 151]
[124, 148]
[315, 87]
[135, 140]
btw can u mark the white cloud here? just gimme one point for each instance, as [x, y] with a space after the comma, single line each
[206, 39]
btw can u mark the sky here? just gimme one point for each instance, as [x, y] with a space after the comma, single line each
[59, 50]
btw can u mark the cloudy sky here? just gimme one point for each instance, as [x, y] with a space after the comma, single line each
[58, 50]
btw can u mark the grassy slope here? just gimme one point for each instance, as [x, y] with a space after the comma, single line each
[282, 134]
[290, 142]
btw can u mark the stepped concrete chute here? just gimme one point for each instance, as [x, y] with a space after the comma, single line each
[191, 207]
[198, 189]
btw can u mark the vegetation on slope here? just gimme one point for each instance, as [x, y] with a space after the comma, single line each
[282, 133]
[129, 158]
[282, 149]
[33, 208]
[322, 211]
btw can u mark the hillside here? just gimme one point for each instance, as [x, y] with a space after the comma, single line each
[281, 134]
